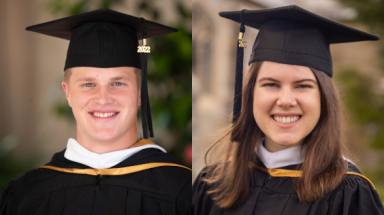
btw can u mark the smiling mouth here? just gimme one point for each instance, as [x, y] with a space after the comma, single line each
[286, 119]
[104, 115]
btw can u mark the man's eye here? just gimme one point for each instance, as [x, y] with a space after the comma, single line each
[88, 84]
[118, 84]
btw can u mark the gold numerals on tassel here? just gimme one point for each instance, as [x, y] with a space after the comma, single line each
[242, 43]
[144, 48]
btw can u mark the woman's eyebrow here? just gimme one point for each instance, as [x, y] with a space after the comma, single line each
[307, 79]
[268, 79]
[274, 80]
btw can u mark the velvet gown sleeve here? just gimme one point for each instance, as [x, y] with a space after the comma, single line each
[6, 201]
[202, 202]
[185, 200]
[198, 192]
[162, 190]
[355, 196]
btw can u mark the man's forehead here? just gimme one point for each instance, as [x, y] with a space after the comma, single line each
[109, 73]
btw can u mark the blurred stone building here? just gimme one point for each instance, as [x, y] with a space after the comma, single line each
[31, 72]
[214, 56]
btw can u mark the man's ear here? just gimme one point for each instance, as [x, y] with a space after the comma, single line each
[139, 97]
[66, 90]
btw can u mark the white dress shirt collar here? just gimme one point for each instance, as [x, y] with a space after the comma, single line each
[77, 153]
[290, 156]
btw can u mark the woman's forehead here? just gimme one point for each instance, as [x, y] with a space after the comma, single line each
[284, 71]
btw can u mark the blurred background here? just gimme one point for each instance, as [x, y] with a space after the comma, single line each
[358, 73]
[35, 120]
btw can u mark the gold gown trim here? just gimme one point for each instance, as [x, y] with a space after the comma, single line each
[117, 171]
[297, 173]
[113, 171]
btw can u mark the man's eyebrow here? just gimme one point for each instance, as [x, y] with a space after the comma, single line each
[119, 78]
[90, 79]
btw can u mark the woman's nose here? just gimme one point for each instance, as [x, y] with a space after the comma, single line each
[286, 98]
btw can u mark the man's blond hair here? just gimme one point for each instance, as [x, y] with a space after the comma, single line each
[68, 73]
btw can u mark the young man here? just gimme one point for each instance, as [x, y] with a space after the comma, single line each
[108, 169]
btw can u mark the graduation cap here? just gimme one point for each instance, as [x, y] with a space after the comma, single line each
[105, 38]
[289, 35]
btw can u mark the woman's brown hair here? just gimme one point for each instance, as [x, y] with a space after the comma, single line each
[322, 171]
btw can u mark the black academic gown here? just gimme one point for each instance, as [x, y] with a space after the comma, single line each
[273, 196]
[161, 190]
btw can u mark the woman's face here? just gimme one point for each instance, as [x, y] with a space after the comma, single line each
[286, 104]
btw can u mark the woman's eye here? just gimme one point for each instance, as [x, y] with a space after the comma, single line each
[118, 84]
[270, 85]
[88, 84]
[303, 86]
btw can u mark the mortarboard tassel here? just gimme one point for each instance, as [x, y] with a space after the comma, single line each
[146, 117]
[241, 44]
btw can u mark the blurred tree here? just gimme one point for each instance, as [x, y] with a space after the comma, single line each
[365, 104]
[10, 168]
[169, 70]
[364, 95]
[371, 14]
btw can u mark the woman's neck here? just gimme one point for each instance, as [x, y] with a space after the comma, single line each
[272, 146]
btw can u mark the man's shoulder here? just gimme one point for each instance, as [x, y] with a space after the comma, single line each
[29, 183]
[152, 155]
[168, 180]
[39, 181]
[165, 180]
[179, 172]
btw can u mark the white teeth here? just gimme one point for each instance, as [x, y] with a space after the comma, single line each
[286, 120]
[103, 115]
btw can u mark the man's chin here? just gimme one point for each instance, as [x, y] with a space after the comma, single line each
[103, 135]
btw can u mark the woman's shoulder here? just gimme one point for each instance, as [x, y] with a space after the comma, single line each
[355, 178]
[356, 194]
[202, 202]
[200, 183]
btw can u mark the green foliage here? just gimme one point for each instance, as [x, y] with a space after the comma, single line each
[376, 176]
[369, 12]
[62, 109]
[363, 97]
[365, 105]
[169, 69]
[380, 191]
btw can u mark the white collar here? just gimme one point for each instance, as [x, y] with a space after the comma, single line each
[77, 153]
[285, 157]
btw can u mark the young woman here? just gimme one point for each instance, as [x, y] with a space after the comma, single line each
[284, 152]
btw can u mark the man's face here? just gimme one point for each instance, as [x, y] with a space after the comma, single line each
[104, 102]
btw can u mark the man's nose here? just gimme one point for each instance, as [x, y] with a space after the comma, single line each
[103, 96]
[286, 98]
